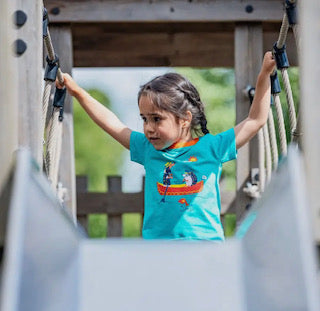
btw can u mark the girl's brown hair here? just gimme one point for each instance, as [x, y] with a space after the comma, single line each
[174, 93]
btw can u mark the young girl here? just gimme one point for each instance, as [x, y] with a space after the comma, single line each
[182, 160]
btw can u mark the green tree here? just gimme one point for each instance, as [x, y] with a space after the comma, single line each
[217, 91]
[97, 154]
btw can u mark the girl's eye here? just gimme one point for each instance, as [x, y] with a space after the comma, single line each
[156, 119]
[144, 119]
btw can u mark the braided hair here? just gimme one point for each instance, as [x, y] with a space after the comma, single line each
[174, 93]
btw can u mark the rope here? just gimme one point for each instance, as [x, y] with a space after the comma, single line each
[288, 91]
[45, 103]
[54, 131]
[262, 174]
[296, 34]
[51, 55]
[281, 127]
[273, 140]
[268, 161]
[53, 151]
[297, 133]
[283, 32]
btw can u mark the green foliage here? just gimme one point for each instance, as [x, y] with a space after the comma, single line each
[217, 92]
[98, 225]
[97, 154]
[229, 224]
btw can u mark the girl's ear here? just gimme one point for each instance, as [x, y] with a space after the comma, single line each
[187, 119]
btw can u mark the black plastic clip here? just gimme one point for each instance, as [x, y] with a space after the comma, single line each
[45, 23]
[275, 84]
[291, 12]
[58, 101]
[281, 57]
[51, 69]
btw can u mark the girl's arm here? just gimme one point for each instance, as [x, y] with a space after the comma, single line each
[101, 115]
[259, 110]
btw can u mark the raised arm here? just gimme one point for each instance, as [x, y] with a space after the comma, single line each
[101, 115]
[259, 110]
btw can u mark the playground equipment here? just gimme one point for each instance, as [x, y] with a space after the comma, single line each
[49, 264]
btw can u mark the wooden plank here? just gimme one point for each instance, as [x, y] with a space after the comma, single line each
[99, 11]
[110, 203]
[30, 80]
[248, 59]
[163, 49]
[8, 92]
[167, 46]
[310, 109]
[114, 221]
[62, 41]
[82, 187]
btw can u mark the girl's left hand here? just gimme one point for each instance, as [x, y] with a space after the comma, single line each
[268, 64]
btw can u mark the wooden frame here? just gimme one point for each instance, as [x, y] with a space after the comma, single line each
[163, 33]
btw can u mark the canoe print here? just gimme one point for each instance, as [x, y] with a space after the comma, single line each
[179, 189]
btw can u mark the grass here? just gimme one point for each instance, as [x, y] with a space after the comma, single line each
[98, 225]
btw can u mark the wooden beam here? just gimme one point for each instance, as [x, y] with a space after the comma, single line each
[103, 46]
[100, 11]
[248, 60]
[152, 49]
[62, 41]
[30, 79]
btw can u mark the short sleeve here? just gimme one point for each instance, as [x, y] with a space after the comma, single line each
[138, 147]
[227, 145]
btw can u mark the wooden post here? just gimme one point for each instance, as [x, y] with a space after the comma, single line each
[8, 108]
[30, 79]
[248, 60]
[62, 41]
[82, 187]
[310, 109]
[114, 221]
[8, 91]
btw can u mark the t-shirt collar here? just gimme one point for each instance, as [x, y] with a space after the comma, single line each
[181, 144]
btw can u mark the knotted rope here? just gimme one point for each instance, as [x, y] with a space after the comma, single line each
[54, 128]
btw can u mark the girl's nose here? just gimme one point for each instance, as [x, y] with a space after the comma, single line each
[149, 127]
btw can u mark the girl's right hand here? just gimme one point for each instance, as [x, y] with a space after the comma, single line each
[69, 83]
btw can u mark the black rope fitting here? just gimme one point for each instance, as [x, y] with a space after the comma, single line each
[280, 56]
[275, 84]
[51, 69]
[58, 101]
[291, 12]
[249, 91]
[45, 23]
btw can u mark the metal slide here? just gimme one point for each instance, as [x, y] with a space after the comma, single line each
[50, 265]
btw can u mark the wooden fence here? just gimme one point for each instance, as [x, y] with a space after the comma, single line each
[115, 203]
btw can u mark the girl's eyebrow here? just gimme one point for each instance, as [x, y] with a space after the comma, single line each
[151, 114]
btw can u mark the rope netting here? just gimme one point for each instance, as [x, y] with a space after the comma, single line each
[52, 112]
[267, 138]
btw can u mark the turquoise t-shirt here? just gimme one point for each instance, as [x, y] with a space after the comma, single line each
[182, 197]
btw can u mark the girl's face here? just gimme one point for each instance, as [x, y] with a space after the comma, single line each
[162, 128]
